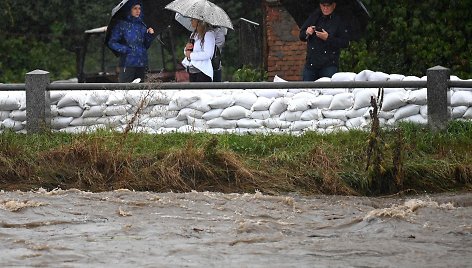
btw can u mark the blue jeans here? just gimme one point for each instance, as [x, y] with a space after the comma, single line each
[310, 74]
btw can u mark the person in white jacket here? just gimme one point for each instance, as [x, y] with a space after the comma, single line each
[199, 51]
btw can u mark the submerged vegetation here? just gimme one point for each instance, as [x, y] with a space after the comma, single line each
[413, 159]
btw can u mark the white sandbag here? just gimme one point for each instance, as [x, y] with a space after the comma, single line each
[342, 101]
[385, 114]
[343, 77]
[197, 123]
[161, 111]
[245, 99]
[117, 110]
[202, 104]
[378, 76]
[321, 102]
[396, 77]
[311, 94]
[18, 115]
[174, 123]
[363, 75]
[353, 113]
[416, 119]
[419, 96]
[12, 124]
[182, 99]
[303, 125]
[298, 104]
[4, 115]
[362, 97]
[155, 122]
[222, 123]
[235, 112]
[70, 111]
[459, 111]
[9, 101]
[333, 91]
[328, 122]
[221, 102]
[407, 111]
[468, 114]
[291, 116]
[394, 100]
[55, 96]
[278, 106]
[411, 78]
[279, 79]
[212, 114]
[161, 97]
[117, 97]
[59, 122]
[461, 98]
[87, 121]
[273, 123]
[94, 111]
[98, 97]
[311, 114]
[270, 93]
[54, 111]
[356, 123]
[182, 115]
[260, 115]
[262, 104]
[72, 98]
[424, 111]
[335, 114]
[111, 121]
[249, 123]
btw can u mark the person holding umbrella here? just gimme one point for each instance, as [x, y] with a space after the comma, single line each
[325, 33]
[199, 51]
[131, 38]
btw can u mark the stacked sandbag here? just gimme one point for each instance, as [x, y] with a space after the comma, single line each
[236, 111]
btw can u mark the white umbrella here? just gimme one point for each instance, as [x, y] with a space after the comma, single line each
[203, 10]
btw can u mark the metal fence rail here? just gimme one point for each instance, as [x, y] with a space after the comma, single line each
[37, 89]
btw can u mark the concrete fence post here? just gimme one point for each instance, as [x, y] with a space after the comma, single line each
[437, 89]
[38, 108]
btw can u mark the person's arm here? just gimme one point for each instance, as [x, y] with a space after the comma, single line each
[208, 48]
[308, 23]
[149, 37]
[114, 43]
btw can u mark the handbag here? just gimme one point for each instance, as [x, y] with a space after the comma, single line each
[216, 59]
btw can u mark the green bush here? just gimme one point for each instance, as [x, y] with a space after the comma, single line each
[249, 74]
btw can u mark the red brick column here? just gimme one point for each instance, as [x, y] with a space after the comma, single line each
[283, 51]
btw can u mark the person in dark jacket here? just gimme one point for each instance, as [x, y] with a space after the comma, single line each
[131, 38]
[325, 33]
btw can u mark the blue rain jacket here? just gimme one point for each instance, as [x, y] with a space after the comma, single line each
[130, 39]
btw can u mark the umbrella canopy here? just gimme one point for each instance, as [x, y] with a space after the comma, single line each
[203, 10]
[353, 11]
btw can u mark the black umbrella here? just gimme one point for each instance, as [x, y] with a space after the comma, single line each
[353, 11]
[155, 16]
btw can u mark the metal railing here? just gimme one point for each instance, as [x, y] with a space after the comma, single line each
[37, 88]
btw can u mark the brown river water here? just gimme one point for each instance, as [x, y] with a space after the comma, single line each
[202, 229]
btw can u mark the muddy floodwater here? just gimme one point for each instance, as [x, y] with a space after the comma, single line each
[201, 229]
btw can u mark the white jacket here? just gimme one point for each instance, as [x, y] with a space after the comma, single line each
[200, 57]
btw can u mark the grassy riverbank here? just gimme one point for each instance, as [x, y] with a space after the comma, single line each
[408, 159]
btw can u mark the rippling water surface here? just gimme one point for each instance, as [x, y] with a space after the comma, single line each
[142, 229]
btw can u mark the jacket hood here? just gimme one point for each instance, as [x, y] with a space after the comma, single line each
[127, 7]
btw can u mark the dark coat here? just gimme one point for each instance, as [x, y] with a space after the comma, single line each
[130, 39]
[325, 53]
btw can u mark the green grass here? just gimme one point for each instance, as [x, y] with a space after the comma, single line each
[312, 163]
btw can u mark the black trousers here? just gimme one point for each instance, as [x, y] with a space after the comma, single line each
[128, 74]
[199, 77]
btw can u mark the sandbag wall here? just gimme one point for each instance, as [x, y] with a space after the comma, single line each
[236, 111]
